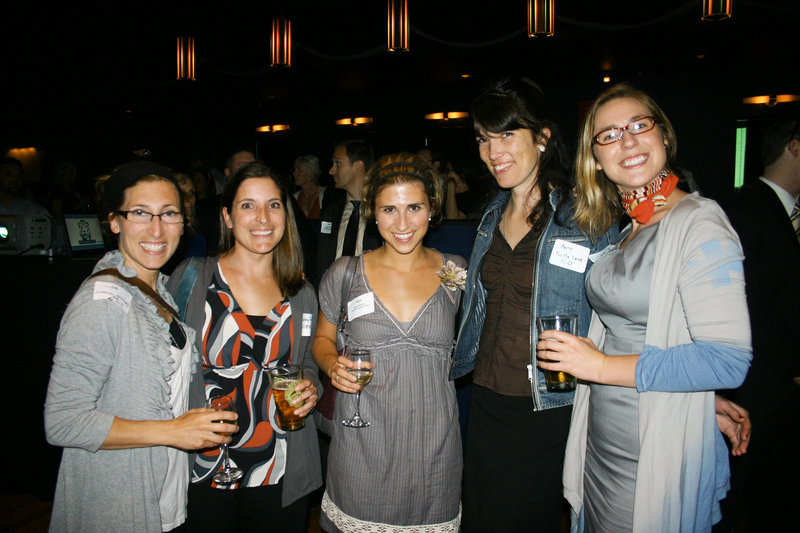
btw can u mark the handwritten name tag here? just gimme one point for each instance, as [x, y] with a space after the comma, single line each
[360, 306]
[113, 293]
[306, 329]
[570, 256]
[326, 227]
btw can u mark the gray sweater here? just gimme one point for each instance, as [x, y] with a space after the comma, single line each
[112, 359]
[303, 470]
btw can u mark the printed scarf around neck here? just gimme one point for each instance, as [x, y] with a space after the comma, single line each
[640, 204]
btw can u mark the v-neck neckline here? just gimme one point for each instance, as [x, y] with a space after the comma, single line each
[397, 322]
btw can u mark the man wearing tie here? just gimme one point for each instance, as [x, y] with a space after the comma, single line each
[765, 214]
[343, 231]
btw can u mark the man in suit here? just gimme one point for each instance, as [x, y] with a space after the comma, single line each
[765, 480]
[343, 231]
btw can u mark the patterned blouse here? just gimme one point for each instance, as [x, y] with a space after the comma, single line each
[236, 349]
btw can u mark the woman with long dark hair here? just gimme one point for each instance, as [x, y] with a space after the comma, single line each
[517, 429]
[253, 310]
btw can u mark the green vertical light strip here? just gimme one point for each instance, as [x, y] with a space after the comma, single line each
[741, 143]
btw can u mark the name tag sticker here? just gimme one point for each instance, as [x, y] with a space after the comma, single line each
[326, 227]
[570, 256]
[113, 293]
[306, 329]
[363, 305]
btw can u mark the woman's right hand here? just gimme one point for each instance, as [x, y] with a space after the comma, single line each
[199, 428]
[341, 378]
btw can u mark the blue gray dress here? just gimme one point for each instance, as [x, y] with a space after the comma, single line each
[618, 288]
[404, 469]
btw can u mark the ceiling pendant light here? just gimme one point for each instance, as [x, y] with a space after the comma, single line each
[186, 58]
[714, 10]
[397, 22]
[541, 18]
[281, 43]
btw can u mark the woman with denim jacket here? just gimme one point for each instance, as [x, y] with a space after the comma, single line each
[517, 430]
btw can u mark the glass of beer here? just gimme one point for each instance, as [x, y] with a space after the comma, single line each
[558, 381]
[227, 474]
[363, 374]
[283, 379]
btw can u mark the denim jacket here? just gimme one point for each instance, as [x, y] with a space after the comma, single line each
[556, 290]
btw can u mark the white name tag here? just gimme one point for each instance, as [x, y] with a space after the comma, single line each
[112, 292]
[326, 227]
[306, 329]
[363, 305]
[570, 256]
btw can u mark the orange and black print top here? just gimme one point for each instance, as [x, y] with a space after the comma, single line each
[236, 350]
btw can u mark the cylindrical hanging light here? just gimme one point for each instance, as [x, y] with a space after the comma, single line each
[717, 9]
[397, 39]
[186, 58]
[541, 18]
[281, 43]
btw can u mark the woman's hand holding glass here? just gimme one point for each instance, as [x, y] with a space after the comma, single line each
[307, 400]
[342, 379]
[568, 353]
[200, 428]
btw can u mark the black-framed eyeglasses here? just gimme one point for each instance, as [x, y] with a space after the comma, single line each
[612, 135]
[140, 216]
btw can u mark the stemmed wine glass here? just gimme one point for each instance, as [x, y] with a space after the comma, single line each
[363, 374]
[227, 474]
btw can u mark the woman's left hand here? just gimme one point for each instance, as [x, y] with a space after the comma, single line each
[564, 352]
[309, 398]
[734, 422]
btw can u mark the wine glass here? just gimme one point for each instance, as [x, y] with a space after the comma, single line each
[227, 474]
[363, 374]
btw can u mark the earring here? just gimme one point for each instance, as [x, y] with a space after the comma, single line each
[541, 148]
[429, 219]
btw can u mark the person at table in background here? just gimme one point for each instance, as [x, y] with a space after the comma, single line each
[253, 310]
[516, 429]
[671, 326]
[403, 472]
[118, 393]
[764, 482]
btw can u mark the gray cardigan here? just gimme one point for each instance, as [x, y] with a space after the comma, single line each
[112, 359]
[303, 470]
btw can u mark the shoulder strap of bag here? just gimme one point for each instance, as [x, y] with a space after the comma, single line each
[347, 280]
[187, 284]
[165, 310]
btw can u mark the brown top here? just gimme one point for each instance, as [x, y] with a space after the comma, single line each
[505, 350]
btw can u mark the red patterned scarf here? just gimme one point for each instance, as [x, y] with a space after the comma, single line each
[640, 204]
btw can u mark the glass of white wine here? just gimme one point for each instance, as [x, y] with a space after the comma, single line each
[227, 474]
[363, 374]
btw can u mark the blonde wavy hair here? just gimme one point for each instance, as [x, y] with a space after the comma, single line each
[598, 205]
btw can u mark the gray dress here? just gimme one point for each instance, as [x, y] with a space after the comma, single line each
[618, 288]
[404, 469]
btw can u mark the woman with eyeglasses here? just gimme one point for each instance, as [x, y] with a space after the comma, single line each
[117, 401]
[670, 326]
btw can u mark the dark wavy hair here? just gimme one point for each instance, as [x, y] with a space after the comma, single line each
[514, 103]
[287, 258]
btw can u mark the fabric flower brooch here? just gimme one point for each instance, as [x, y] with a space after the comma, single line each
[453, 276]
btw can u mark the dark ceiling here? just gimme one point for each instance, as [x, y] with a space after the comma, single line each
[101, 75]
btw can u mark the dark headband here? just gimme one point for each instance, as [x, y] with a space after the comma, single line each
[127, 175]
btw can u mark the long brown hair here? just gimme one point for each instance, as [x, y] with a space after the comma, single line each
[287, 257]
